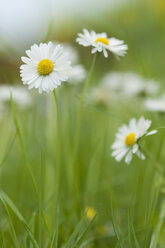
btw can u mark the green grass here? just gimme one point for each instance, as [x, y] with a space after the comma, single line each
[38, 212]
[50, 172]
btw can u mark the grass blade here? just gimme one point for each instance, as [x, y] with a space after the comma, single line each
[7, 200]
[155, 235]
[114, 226]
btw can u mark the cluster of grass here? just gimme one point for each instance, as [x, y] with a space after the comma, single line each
[46, 190]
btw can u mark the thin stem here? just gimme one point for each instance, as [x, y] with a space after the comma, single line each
[115, 227]
[58, 148]
[129, 228]
[160, 145]
[78, 125]
[58, 166]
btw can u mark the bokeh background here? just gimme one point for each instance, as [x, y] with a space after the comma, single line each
[139, 23]
[136, 190]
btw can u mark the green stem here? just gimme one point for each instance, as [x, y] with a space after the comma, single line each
[78, 125]
[129, 228]
[115, 226]
[58, 145]
[58, 165]
[160, 145]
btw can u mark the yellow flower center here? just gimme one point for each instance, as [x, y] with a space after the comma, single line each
[90, 213]
[130, 139]
[45, 67]
[105, 41]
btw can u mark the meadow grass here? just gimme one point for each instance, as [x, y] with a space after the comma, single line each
[56, 165]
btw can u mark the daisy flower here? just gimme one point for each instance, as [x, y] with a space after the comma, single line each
[127, 138]
[129, 84]
[45, 67]
[157, 105]
[20, 95]
[101, 43]
[70, 50]
[76, 74]
[100, 96]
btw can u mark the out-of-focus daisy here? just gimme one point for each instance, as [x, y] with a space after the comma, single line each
[100, 96]
[20, 95]
[157, 105]
[76, 74]
[127, 138]
[101, 43]
[129, 84]
[70, 50]
[90, 213]
[45, 67]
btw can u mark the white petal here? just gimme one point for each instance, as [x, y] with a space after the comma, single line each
[128, 157]
[152, 132]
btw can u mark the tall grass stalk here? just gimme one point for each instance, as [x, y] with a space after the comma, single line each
[79, 117]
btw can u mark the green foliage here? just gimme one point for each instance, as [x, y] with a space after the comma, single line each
[45, 187]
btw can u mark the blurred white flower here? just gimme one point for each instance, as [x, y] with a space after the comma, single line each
[45, 67]
[76, 74]
[126, 143]
[100, 96]
[129, 84]
[72, 52]
[157, 105]
[20, 95]
[101, 43]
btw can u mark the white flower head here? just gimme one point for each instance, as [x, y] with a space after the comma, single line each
[155, 105]
[20, 95]
[129, 84]
[45, 67]
[100, 96]
[101, 43]
[76, 74]
[71, 51]
[126, 143]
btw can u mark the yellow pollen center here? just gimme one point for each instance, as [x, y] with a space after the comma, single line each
[130, 139]
[45, 67]
[105, 41]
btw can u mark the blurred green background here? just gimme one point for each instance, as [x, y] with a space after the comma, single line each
[127, 197]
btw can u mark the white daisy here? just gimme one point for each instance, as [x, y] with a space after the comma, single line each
[45, 67]
[20, 95]
[76, 74]
[101, 43]
[126, 143]
[129, 84]
[100, 96]
[70, 50]
[157, 105]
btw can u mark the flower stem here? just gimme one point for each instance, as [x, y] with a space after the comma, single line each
[78, 125]
[58, 144]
